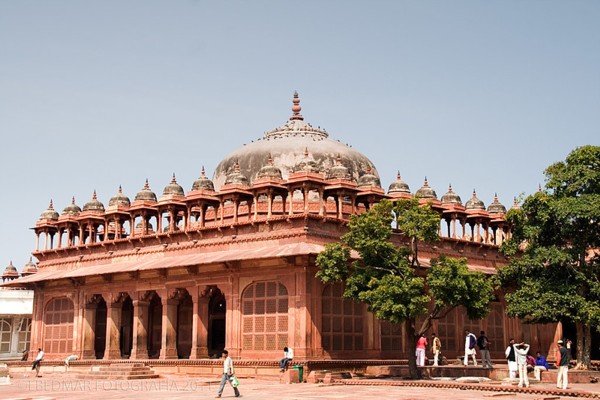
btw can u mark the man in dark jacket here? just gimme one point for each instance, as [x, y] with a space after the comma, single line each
[484, 348]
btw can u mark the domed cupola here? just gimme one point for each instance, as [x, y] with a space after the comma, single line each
[270, 171]
[72, 209]
[451, 198]
[368, 179]
[173, 188]
[339, 171]
[496, 207]
[515, 205]
[94, 204]
[10, 272]
[283, 144]
[119, 200]
[203, 183]
[235, 176]
[398, 186]
[30, 268]
[50, 213]
[146, 194]
[474, 203]
[307, 164]
[425, 191]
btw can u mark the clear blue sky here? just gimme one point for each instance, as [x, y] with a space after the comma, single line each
[480, 94]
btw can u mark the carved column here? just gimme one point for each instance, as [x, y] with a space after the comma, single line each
[113, 335]
[168, 349]
[199, 324]
[139, 350]
[89, 326]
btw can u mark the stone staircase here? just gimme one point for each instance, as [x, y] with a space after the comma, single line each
[120, 371]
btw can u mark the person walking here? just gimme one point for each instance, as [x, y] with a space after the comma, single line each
[484, 348]
[511, 358]
[540, 365]
[470, 341]
[36, 363]
[521, 351]
[288, 354]
[227, 374]
[420, 351]
[436, 347]
[562, 363]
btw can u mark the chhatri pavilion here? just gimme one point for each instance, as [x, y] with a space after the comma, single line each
[231, 262]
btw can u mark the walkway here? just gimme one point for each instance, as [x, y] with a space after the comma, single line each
[175, 387]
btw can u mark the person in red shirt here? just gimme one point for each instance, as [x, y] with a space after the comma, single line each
[420, 352]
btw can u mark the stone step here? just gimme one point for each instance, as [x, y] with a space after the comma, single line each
[117, 377]
[109, 372]
[124, 369]
[115, 365]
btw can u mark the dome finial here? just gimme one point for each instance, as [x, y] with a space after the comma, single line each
[296, 108]
[173, 180]
[94, 195]
[73, 200]
[203, 172]
[120, 190]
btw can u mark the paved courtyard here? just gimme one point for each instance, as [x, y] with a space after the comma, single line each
[61, 386]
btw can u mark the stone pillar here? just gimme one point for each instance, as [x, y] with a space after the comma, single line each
[89, 334]
[168, 349]
[139, 350]
[199, 325]
[113, 335]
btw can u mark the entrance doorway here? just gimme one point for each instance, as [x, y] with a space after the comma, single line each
[154, 326]
[216, 323]
[126, 329]
[100, 330]
[184, 325]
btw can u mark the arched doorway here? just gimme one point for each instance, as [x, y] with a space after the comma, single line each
[154, 326]
[126, 329]
[216, 323]
[100, 329]
[184, 324]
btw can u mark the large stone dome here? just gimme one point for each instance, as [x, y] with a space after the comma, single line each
[287, 146]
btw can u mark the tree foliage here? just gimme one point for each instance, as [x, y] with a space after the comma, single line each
[553, 275]
[387, 277]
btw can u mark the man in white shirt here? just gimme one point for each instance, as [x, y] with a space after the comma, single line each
[37, 362]
[288, 354]
[470, 341]
[227, 374]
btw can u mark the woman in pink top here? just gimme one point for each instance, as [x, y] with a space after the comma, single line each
[420, 353]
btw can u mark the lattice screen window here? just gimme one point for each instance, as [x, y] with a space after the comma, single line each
[58, 326]
[265, 316]
[447, 332]
[5, 330]
[495, 328]
[24, 334]
[392, 338]
[342, 321]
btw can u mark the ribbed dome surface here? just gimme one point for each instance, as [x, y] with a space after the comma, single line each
[474, 203]
[119, 199]
[30, 267]
[173, 188]
[426, 192]
[50, 213]
[94, 204]
[10, 271]
[269, 170]
[145, 194]
[398, 186]
[287, 145]
[236, 177]
[450, 197]
[496, 207]
[203, 183]
[368, 179]
[72, 209]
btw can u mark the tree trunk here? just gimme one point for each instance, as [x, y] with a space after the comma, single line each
[412, 345]
[584, 346]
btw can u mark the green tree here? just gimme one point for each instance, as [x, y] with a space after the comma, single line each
[388, 278]
[553, 273]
